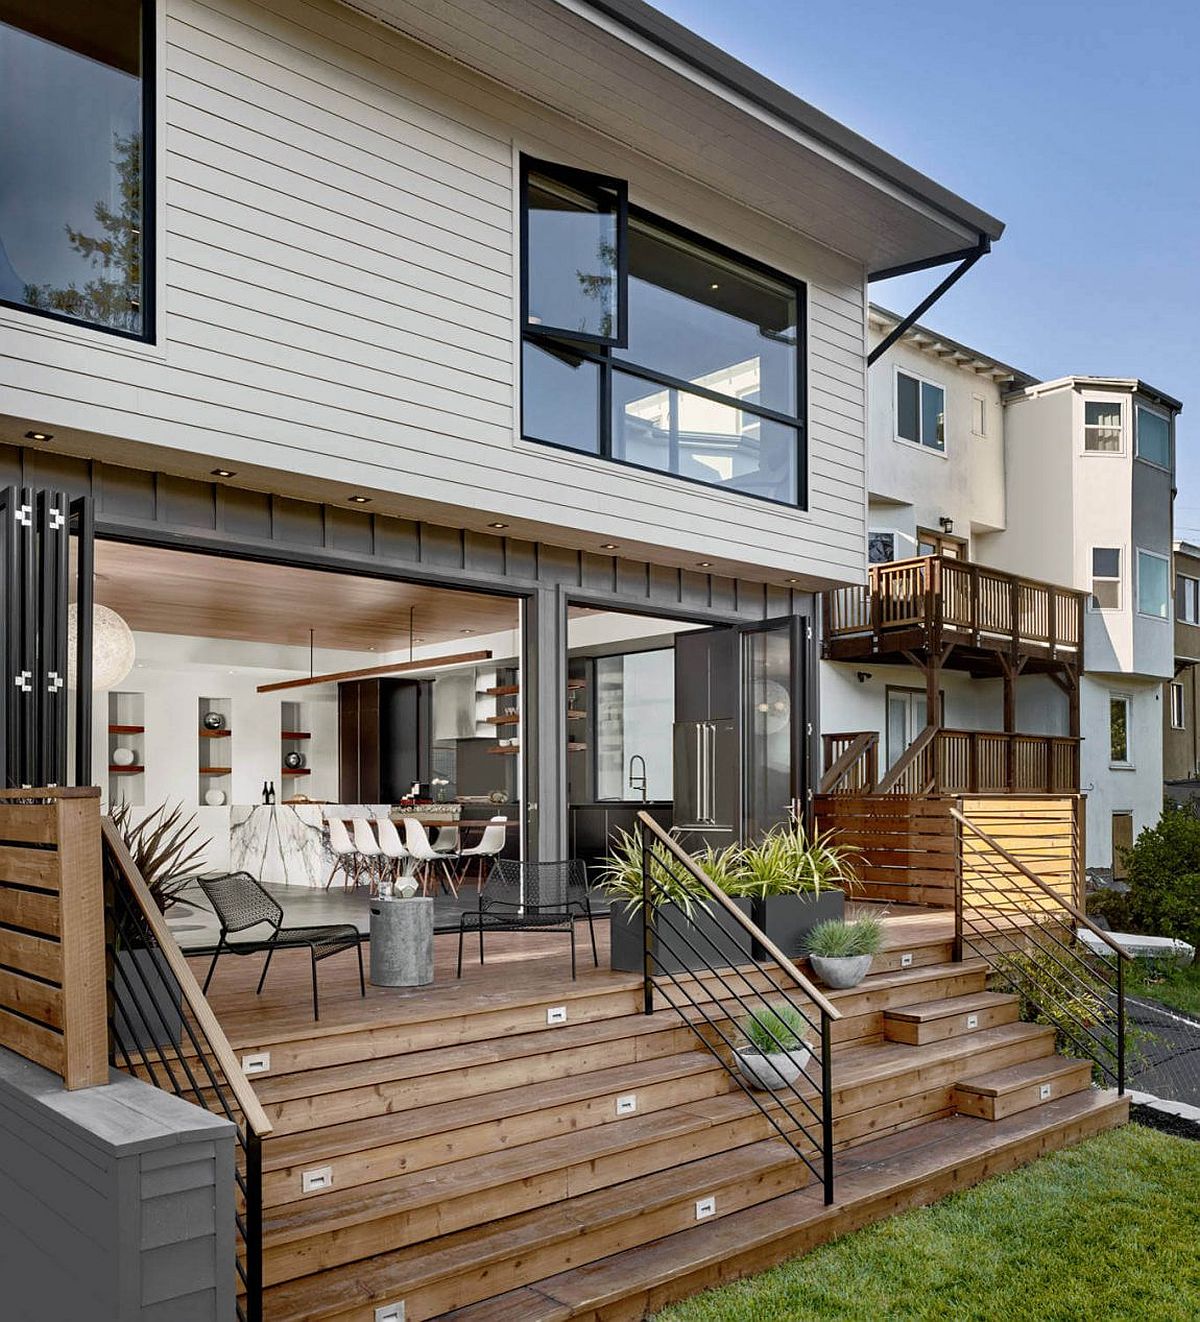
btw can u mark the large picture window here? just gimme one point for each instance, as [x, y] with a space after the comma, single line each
[75, 139]
[1153, 437]
[1153, 585]
[652, 347]
[920, 412]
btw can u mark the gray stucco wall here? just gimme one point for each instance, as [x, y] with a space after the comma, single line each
[116, 1203]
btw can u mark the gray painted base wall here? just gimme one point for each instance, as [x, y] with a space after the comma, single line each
[116, 1203]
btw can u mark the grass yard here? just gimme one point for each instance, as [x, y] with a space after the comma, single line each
[1173, 985]
[1105, 1232]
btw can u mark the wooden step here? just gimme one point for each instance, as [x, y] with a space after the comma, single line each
[875, 1181]
[311, 1099]
[934, 1021]
[1002, 1093]
[466, 1267]
[343, 1225]
[359, 1153]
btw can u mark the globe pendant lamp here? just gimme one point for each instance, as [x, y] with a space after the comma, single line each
[112, 646]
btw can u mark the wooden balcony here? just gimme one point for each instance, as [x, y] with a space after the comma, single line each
[934, 605]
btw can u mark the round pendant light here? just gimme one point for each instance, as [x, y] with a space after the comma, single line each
[112, 646]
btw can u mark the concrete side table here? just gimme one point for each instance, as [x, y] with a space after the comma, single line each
[402, 942]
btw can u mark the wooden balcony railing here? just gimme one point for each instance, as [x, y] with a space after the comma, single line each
[851, 762]
[950, 600]
[984, 762]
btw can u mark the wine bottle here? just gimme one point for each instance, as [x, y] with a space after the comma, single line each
[265, 799]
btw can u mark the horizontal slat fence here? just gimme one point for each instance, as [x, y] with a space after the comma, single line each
[910, 849]
[53, 1007]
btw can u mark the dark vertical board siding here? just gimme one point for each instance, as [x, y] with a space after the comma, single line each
[664, 585]
[297, 522]
[483, 554]
[557, 565]
[693, 588]
[723, 593]
[348, 530]
[244, 513]
[597, 572]
[520, 559]
[60, 472]
[442, 547]
[186, 503]
[397, 539]
[633, 578]
[125, 493]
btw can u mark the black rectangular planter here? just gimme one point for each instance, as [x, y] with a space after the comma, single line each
[788, 919]
[676, 931]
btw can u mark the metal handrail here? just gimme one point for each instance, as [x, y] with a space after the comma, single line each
[1060, 965]
[162, 1029]
[739, 983]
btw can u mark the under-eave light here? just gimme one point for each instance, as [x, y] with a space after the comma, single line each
[39, 436]
[223, 472]
[359, 500]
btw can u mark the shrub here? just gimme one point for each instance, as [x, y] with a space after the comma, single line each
[790, 861]
[776, 1028]
[1164, 877]
[840, 940]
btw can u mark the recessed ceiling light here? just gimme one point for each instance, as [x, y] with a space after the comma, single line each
[608, 546]
[39, 436]
[223, 472]
[793, 580]
[714, 285]
[497, 525]
[360, 500]
[705, 564]
[466, 631]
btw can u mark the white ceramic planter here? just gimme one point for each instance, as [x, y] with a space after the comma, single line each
[774, 1072]
[841, 971]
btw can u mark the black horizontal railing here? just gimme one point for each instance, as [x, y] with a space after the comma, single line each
[701, 963]
[162, 1030]
[1029, 933]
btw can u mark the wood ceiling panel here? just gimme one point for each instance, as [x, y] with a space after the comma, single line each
[181, 592]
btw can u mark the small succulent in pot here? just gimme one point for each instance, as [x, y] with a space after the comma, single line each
[841, 952]
[778, 1047]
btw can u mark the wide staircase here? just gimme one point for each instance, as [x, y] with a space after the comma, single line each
[575, 1158]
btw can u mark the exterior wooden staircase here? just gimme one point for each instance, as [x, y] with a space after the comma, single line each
[504, 1164]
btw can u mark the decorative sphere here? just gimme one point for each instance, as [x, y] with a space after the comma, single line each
[123, 757]
[213, 720]
[112, 646]
[293, 761]
[214, 798]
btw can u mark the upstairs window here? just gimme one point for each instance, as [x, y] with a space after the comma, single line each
[1187, 599]
[1106, 578]
[1153, 585]
[920, 412]
[978, 415]
[652, 347]
[75, 141]
[1102, 426]
[1178, 706]
[1119, 750]
[1153, 437]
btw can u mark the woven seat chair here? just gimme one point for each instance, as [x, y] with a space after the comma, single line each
[531, 897]
[240, 903]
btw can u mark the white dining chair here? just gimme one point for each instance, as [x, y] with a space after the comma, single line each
[345, 856]
[390, 845]
[446, 840]
[368, 850]
[491, 843]
[423, 854]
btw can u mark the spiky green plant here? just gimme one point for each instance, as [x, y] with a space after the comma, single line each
[163, 848]
[791, 861]
[621, 877]
[836, 939]
[776, 1028]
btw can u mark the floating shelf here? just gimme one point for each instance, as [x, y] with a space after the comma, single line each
[503, 720]
[575, 748]
[296, 771]
[295, 734]
[503, 691]
[215, 734]
[509, 750]
[127, 729]
[215, 771]
[125, 771]
[575, 715]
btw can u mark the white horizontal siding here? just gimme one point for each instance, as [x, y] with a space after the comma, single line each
[338, 287]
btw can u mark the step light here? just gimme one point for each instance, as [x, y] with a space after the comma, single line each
[972, 1021]
[259, 1063]
[390, 1312]
[706, 1207]
[627, 1105]
[1044, 1092]
[906, 960]
[556, 1014]
[316, 1180]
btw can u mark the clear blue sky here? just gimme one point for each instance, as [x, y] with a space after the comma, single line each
[1077, 122]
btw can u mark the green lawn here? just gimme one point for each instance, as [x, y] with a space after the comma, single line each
[1106, 1232]
[1177, 986]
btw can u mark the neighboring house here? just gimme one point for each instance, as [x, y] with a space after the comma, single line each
[1059, 496]
[1181, 736]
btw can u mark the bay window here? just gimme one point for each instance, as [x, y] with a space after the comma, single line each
[652, 347]
[1153, 437]
[1153, 585]
[77, 139]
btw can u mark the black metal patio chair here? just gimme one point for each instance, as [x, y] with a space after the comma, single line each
[240, 903]
[531, 897]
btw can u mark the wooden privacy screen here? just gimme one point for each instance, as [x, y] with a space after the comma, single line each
[53, 1006]
[910, 850]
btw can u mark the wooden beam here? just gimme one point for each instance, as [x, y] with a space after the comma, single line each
[336, 676]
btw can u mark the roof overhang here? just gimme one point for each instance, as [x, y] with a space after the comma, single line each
[940, 346]
[627, 71]
[1130, 385]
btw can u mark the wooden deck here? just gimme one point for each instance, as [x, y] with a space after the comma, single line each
[476, 1165]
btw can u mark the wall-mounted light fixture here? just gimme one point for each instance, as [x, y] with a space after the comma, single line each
[862, 676]
[946, 524]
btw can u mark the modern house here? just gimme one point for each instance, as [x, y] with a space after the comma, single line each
[433, 415]
[1016, 631]
[1181, 751]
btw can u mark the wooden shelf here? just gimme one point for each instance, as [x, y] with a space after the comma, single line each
[576, 684]
[215, 771]
[504, 691]
[575, 715]
[214, 734]
[127, 729]
[503, 720]
[125, 771]
[296, 771]
[575, 748]
[295, 734]
[509, 750]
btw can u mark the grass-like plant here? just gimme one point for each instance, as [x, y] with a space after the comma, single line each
[791, 861]
[621, 877]
[835, 939]
[775, 1029]
[163, 848]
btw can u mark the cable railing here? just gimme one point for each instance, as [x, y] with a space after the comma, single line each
[702, 966]
[162, 1030]
[1029, 933]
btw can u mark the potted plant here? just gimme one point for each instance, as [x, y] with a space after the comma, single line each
[778, 1048]
[685, 915]
[795, 881]
[841, 953]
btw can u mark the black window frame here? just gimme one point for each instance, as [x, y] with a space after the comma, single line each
[600, 353]
[149, 80]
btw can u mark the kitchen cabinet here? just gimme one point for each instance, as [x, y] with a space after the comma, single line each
[384, 738]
